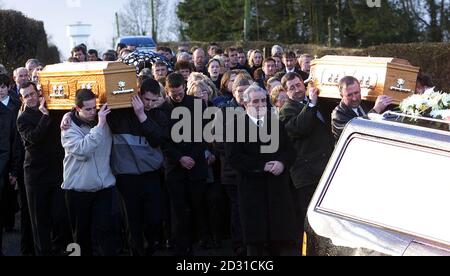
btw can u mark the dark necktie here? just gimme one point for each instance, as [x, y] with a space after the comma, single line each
[360, 114]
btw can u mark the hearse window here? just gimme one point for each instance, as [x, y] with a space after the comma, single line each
[390, 184]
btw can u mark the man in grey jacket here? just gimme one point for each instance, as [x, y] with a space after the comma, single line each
[88, 179]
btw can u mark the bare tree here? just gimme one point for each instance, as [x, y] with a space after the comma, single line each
[431, 15]
[135, 19]
[168, 23]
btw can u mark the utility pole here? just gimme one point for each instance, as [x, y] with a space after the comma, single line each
[117, 25]
[257, 20]
[117, 28]
[154, 33]
[247, 20]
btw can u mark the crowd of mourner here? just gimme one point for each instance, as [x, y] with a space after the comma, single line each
[117, 182]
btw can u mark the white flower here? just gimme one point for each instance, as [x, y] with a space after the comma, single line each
[446, 99]
[440, 114]
[438, 102]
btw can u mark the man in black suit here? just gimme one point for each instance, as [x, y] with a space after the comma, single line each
[311, 137]
[186, 167]
[350, 107]
[269, 70]
[304, 63]
[43, 173]
[21, 76]
[290, 63]
[265, 199]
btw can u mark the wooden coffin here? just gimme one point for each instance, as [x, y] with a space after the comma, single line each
[378, 76]
[113, 82]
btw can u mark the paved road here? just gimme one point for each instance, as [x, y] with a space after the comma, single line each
[11, 245]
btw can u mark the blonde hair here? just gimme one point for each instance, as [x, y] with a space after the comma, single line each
[195, 76]
[252, 56]
[275, 93]
[203, 85]
[242, 79]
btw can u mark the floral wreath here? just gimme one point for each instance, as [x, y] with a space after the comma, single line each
[430, 104]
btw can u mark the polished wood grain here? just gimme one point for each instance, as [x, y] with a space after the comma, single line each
[378, 76]
[103, 78]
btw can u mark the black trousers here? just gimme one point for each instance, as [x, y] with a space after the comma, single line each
[217, 203]
[1, 223]
[94, 221]
[302, 198]
[26, 233]
[188, 200]
[142, 202]
[49, 219]
[236, 225]
[9, 205]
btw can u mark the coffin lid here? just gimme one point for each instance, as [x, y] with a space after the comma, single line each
[94, 68]
[330, 59]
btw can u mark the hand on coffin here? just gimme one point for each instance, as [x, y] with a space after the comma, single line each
[382, 103]
[42, 107]
[104, 111]
[138, 107]
[314, 95]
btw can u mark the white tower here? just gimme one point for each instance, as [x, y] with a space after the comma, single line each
[78, 33]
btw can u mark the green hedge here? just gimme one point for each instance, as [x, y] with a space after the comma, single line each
[432, 58]
[23, 38]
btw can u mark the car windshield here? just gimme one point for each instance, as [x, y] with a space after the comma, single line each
[401, 187]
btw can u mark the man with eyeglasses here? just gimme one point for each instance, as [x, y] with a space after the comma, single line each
[43, 173]
[311, 138]
[186, 167]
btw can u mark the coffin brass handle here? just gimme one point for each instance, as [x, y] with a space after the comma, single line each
[120, 92]
[58, 92]
[400, 87]
[122, 89]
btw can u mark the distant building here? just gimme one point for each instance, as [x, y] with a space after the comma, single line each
[78, 33]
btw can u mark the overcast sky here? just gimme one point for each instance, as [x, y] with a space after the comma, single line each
[57, 14]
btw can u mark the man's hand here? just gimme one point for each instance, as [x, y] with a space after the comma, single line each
[158, 103]
[211, 159]
[314, 95]
[187, 162]
[66, 122]
[277, 168]
[382, 103]
[104, 111]
[12, 180]
[42, 107]
[138, 107]
[268, 167]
